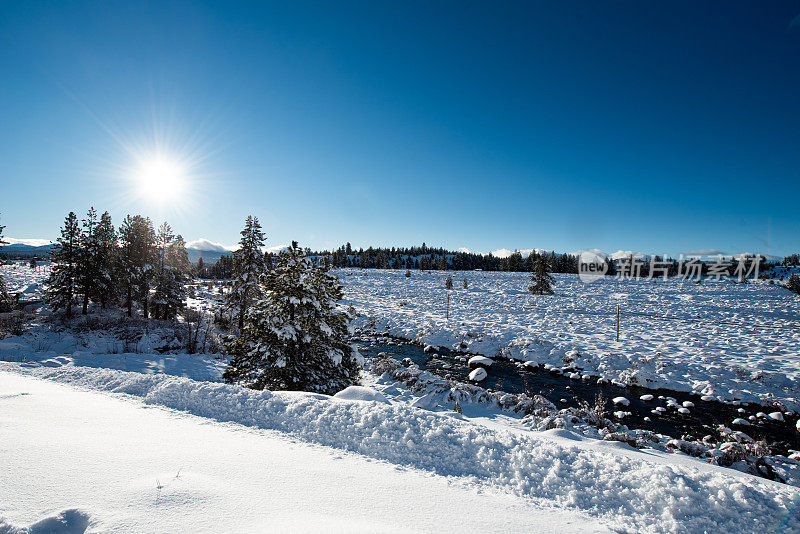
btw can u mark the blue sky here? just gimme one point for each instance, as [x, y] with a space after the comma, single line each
[663, 127]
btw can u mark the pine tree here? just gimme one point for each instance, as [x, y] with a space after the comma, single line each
[466, 284]
[794, 284]
[177, 256]
[169, 296]
[65, 274]
[89, 259]
[248, 267]
[295, 337]
[137, 258]
[5, 298]
[541, 278]
[448, 283]
[107, 256]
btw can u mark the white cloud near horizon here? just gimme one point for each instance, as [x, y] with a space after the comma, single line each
[32, 242]
[205, 244]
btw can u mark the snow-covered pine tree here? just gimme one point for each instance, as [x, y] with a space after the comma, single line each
[541, 278]
[89, 259]
[295, 337]
[64, 276]
[248, 267]
[793, 284]
[106, 261]
[137, 258]
[169, 296]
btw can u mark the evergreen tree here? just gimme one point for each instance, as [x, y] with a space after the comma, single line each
[200, 267]
[107, 256]
[137, 258]
[466, 284]
[169, 296]
[90, 266]
[5, 298]
[295, 337]
[248, 267]
[65, 274]
[794, 284]
[32, 263]
[541, 278]
[448, 283]
[177, 257]
[514, 263]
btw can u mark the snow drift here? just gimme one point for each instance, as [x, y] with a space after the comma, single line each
[619, 487]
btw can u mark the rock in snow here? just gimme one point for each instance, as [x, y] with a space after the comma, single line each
[740, 421]
[647, 397]
[361, 393]
[478, 374]
[621, 401]
[776, 416]
[481, 360]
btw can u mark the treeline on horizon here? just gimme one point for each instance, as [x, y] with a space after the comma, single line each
[427, 258]
[417, 258]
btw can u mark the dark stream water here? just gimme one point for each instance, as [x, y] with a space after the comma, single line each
[564, 392]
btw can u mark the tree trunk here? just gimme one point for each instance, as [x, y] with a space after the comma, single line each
[130, 301]
[85, 303]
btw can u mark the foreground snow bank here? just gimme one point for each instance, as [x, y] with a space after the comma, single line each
[617, 487]
[84, 461]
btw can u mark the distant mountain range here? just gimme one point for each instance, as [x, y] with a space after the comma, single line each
[19, 249]
[210, 252]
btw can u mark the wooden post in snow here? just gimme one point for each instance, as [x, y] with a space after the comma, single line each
[617, 324]
[447, 313]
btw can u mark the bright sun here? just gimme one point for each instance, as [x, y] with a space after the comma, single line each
[160, 180]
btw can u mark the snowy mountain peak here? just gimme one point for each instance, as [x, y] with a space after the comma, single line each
[206, 245]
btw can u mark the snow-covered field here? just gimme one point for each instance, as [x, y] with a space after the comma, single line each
[122, 437]
[722, 339]
[20, 278]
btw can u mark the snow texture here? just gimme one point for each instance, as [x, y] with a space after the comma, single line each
[613, 483]
[80, 461]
